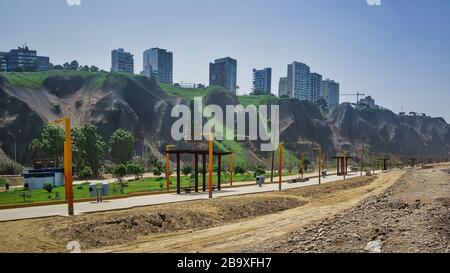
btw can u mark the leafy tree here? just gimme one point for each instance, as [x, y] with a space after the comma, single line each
[86, 173]
[260, 171]
[120, 171]
[239, 170]
[93, 68]
[136, 169]
[92, 147]
[186, 170]
[66, 66]
[58, 67]
[74, 65]
[50, 143]
[84, 68]
[121, 146]
[156, 171]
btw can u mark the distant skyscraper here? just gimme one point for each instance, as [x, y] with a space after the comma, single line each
[330, 92]
[316, 87]
[262, 80]
[283, 88]
[158, 63]
[299, 81]
[122, 61]
[223, 72]
[24, 59]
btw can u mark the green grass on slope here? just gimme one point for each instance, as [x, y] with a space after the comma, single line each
[95, 80]
[255, 100]
[187, 93]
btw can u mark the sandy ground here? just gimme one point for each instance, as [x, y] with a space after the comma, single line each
[321, 202]
[167, 223]
[264, 222]
[413, 215]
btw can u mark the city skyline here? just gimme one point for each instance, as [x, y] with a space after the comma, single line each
[392, 52]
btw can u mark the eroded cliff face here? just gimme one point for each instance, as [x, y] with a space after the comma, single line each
[113, 100]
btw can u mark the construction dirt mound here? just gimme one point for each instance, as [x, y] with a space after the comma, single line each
[115, 228]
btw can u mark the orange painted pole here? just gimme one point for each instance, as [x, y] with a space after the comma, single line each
[303, 164]
[320, 164]
[168, 167]
[68, 176]
[231, 169]
[210, 167]
[280, 170]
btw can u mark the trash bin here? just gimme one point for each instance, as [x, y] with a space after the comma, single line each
[105, 189]
[92, 190]
[260, 180]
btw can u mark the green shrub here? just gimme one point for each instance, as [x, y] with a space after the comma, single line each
[10, 168]
[186, 170]
[86, 173]
[48, 187]
[156, 172]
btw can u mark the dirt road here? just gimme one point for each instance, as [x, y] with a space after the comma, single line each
[321, 202]
[413, 215]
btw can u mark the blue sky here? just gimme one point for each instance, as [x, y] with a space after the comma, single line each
[398, 52]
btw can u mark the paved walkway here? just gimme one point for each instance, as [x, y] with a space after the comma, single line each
[131, 202]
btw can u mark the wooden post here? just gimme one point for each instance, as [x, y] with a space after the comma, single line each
[219, 170]
[320, 164]
[231, 169]
[196, 171]
[280, 170]
[210, 165]
[68, 177]
[271, 168]
[204, 172]
[178, 174]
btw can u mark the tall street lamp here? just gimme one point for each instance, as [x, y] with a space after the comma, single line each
[14, 136]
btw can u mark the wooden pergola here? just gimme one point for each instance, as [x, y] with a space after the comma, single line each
[342, 164]
[385, 163]
[197, 153]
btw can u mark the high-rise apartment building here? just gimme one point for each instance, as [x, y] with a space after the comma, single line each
[330, 92]
[316, 87]
[299, 81]
[262, 80]
[223, 72]
[158, 63]
[122, 61]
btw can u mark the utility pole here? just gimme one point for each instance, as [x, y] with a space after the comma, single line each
[14, 136]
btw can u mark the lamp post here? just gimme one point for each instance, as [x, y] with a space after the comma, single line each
[14, 136]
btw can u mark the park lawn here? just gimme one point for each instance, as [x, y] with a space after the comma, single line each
[152, 184]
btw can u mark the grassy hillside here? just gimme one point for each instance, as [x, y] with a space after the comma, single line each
[255, 100]
[36, 79]
[187, 93]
